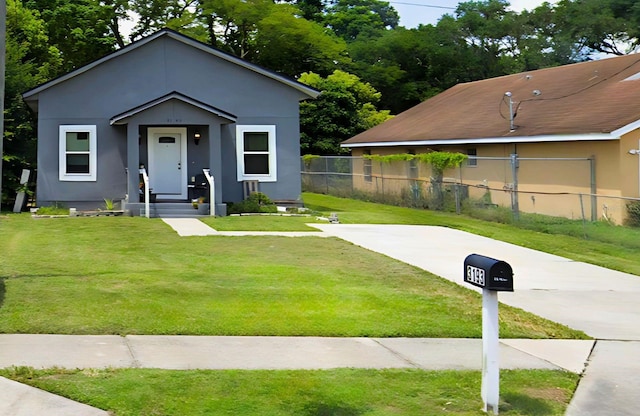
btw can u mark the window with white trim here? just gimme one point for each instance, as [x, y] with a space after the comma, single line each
[256, 153]
[78, 153]
[367, 166]
[472, 161]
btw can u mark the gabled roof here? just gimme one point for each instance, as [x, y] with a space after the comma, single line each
[123, 117]
[596, 100]
[32, 95]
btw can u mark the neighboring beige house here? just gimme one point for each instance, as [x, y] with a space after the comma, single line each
[579, 111]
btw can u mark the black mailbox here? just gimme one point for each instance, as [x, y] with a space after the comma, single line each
[488, 273]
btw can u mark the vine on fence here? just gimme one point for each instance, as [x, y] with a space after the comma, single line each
[438, 160]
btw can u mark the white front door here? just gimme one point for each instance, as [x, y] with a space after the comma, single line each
[167, 147]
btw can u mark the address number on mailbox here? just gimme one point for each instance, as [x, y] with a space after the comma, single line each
[488, 273]
[475, 275]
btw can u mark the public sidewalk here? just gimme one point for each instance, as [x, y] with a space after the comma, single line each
[252, 353]
[183, 352]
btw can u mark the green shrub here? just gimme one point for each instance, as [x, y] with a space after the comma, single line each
[633, 214]
[257, 202]
[57, 209]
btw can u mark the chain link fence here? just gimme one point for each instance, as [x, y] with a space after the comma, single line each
[493, 188]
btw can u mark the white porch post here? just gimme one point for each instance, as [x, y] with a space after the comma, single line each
[215, 162]
[145, 178]
[212, 192]
[133, 163]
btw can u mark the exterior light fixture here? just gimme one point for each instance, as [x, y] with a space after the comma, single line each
[196, 137]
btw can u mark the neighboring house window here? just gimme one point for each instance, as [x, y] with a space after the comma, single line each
[472, 161]
[256, 150]
[366, 166]
[78, 153]
[413, 165]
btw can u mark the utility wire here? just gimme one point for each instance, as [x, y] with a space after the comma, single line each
[423, 5]
[517, 107]
[579, 90]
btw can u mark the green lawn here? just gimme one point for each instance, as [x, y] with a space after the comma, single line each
[306, 393]
[123, 275]
[133, 275]
[610, 246]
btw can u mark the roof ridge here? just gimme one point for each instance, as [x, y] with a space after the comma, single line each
[32, 94]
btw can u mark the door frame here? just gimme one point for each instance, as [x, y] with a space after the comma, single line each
[183, 157]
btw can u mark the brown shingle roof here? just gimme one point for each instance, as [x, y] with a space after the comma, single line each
[584, 98]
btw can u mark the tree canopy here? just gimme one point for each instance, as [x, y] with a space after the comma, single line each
[346, 107]
[367, 65]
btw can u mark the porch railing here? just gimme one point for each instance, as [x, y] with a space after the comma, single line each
[145, 180]
[212, 191]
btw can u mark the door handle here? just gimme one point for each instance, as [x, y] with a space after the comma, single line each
[179, 165]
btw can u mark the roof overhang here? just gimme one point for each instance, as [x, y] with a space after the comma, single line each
[492, 140]
[123, 117]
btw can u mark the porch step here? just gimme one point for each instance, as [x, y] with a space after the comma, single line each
[175, 210]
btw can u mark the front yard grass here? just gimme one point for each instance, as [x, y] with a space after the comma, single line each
[115, 275]
[347, 392]
[120, 275]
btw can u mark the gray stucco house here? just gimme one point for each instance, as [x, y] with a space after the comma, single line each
[174, 106]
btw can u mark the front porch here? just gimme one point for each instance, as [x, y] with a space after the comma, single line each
[170, 209]
[171, 142]
[201, 193]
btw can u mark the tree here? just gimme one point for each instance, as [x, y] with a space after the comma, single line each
[179, 15]
[292, 45]
[79, 29]
[116, 11]
[346, 107]
[272, 35]
[311, 10]
[605, 26]
[350, 19]
[30, 60]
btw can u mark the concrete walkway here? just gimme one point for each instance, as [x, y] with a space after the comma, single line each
[18, 399]
[183, 352]
[189, 227]
[601, 302]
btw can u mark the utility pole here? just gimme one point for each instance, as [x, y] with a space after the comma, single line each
[3, 48]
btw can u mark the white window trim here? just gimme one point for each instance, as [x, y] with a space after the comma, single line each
[472, 161]
[273, 166]
[93, 154]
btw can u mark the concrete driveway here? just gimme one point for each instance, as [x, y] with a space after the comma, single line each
[603, 303]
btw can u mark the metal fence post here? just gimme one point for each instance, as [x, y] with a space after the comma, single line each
[382, 179]
[594, 190]
[514, 192]
[326, 174]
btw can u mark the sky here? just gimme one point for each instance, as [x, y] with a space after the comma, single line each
[416, 12]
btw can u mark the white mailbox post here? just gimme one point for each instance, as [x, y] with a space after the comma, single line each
[492, 276]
